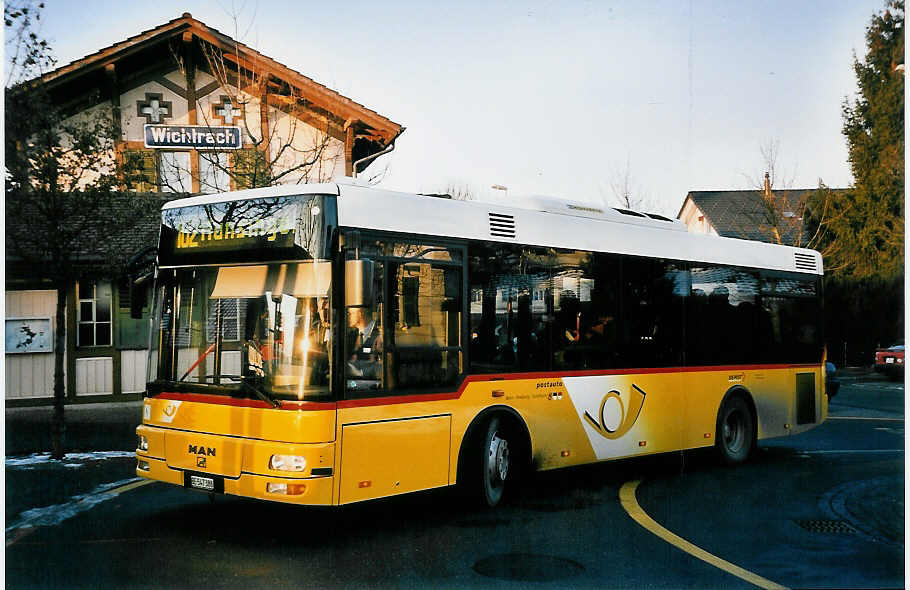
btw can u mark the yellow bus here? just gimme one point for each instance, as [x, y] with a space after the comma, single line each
[331, 343]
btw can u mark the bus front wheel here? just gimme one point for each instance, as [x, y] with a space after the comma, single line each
[496, 455]
[735, 430]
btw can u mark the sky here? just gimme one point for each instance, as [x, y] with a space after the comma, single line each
[551, 97]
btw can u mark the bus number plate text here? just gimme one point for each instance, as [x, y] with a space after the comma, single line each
[202, 483]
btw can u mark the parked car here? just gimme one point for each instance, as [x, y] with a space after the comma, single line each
[890, 361]
[832, 383]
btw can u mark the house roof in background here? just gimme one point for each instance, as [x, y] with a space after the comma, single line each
[741, 214]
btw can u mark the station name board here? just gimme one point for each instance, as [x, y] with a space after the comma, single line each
[193, 136]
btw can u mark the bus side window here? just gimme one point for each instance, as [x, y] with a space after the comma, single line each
[426, 317]
[510, 314]
[364, 339]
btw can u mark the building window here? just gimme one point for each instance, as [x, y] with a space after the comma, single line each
[213, 172]
[94, 314]
[174, 172]
[230, 320]
[141, 170]
[249, 168]
[410, 289]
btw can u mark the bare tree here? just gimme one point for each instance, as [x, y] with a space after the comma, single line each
[460, 191]
[625, 192]
[64, 213]
[785, 215]
[288, 142]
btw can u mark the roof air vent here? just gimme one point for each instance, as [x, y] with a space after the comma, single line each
[502, 226]
[805, 261]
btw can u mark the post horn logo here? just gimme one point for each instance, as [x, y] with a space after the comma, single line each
[615, 418]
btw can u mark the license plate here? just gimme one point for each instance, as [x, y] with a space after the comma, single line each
[203, 482]
[889, 360]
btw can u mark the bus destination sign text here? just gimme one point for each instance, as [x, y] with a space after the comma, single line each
[193, 136]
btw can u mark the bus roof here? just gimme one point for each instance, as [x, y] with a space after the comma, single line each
[537, 221]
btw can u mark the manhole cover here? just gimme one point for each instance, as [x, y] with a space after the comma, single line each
[827, 526]
[527, 567]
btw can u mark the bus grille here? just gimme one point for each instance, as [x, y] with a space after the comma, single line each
[502, 226]
[805, 261]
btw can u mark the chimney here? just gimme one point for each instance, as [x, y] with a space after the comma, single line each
[767, 185]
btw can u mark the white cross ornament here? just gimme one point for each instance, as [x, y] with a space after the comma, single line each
[227, 111]
[155, 110]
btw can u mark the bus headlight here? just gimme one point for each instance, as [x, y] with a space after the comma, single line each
[287, 463]
[143, 443]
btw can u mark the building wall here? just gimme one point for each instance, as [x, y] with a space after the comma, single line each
[696, 221]
[304, 140]
[282, 128]
[30, 375]
[100, 113]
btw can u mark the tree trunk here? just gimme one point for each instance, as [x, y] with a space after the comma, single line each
[58, 426]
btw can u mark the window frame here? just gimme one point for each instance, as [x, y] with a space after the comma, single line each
[162, 177]
[223, 166]
[359, 237]
[94, 322]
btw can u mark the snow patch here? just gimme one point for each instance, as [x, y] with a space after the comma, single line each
[57, 513]
[70, 460]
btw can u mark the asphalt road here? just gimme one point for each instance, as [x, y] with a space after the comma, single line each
[823, 509]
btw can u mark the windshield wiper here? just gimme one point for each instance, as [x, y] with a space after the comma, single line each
[255, 389]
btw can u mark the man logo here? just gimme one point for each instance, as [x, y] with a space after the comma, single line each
[200, 450]
[200, 461]
[615, 418]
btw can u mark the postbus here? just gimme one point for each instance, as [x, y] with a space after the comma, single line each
[326, 344]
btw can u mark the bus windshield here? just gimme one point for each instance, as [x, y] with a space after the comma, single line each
[247, 331]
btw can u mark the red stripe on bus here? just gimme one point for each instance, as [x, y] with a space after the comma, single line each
[429, 397]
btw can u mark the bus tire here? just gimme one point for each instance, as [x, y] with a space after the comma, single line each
[487, 462]
[735, 436]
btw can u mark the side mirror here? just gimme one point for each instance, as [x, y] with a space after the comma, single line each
[358, 283]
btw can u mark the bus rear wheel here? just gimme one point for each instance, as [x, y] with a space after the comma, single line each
[735, 431]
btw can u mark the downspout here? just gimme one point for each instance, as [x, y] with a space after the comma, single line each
[373, 157]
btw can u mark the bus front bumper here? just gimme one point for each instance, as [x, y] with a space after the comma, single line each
[241, 476]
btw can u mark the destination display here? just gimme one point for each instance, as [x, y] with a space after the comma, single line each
[283, 228]
[193, 136]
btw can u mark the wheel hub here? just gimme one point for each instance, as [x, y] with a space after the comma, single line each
[498, 463]
[733, 431]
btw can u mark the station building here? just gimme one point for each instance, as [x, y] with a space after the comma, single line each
[195, 111]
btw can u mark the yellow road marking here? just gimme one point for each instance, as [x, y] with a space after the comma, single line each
[630, 504]
[129, 486]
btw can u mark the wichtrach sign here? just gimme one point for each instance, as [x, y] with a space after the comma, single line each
[193, 136]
